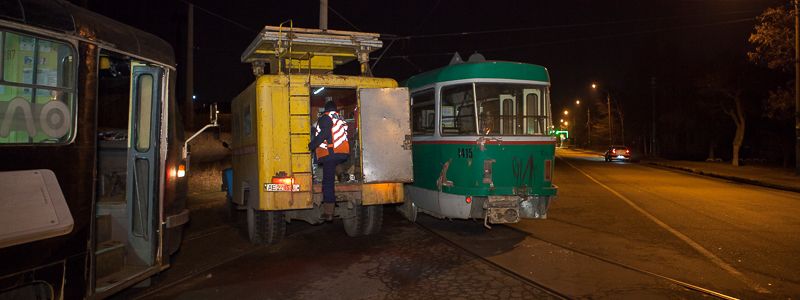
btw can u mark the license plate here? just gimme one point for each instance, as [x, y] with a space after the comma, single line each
[277, 187]
[620, 156]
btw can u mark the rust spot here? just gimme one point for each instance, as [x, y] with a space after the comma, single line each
[442, 181]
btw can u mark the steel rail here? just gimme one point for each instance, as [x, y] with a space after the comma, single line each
[503, 269]
[629, 267]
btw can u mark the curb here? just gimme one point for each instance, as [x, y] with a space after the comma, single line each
[727, 177]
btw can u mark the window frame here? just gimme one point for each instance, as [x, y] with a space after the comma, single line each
[440, 94]
[70, 88]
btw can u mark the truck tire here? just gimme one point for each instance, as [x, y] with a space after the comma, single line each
[366, 220]
[265, 227]
[408, 210]
[374, 219]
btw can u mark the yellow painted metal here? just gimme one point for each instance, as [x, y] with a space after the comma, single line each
[316, 63]
[381, 193]
[300, 143]
[281, 122]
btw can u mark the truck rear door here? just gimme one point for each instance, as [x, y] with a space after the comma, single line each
[385, 135]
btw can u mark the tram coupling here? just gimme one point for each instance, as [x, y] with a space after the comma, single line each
[509, 209]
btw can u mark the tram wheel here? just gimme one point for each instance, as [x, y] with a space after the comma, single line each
[265, 227]
[408, 210]
[366, 220]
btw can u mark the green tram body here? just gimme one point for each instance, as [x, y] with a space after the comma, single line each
[496, 173]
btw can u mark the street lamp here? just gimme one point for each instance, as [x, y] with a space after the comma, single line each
[608, 103]
[566, 112]
[578, 102]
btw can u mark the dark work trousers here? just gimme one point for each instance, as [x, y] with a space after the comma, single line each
[329, 177]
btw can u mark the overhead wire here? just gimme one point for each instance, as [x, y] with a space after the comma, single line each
[601, 37]
[240, 25]
[563, 26]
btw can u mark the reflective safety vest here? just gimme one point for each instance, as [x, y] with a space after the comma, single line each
[339, 135]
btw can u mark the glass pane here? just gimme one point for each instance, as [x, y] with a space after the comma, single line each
[49, 118]
[18, 57]
[37, 114]
[55, 64]
[458, 110]
[145, 111]
[423, 113]
[510, 109]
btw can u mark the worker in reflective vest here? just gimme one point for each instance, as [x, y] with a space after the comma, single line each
[331, 148]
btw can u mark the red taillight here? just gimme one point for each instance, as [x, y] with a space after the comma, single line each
[614, 151]
[283, 180]
[469, 199]
[627, 151]
[548, 170]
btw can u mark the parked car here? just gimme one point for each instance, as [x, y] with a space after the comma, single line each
[617, 152]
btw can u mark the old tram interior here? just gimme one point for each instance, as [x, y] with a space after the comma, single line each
[125, 240]
[346, 100]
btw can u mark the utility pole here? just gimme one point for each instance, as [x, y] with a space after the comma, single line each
[588, 126]
[189, 104]
[797, 84]
[653, 117]
[610, 116]
[323, 14]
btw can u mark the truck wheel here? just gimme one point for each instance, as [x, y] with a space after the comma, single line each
[374, 219]
[408, 210]
[366, 220]
[265, 227]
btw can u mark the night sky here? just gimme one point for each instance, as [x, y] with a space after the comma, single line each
[619, 44]
[611, 42]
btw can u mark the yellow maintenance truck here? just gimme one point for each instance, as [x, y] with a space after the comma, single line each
[275, 177]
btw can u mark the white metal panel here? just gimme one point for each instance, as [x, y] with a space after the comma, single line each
[385, 135]
[32, 207]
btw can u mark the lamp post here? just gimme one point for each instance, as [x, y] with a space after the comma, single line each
[610, 116]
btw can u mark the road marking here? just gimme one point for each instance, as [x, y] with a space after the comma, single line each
[715, 259]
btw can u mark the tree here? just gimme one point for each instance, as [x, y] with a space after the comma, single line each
[774, 39]
[773, 42]
[726, 93]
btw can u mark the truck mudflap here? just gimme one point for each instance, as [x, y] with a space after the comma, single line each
[509, 209]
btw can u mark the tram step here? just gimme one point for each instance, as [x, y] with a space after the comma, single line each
[110, 258]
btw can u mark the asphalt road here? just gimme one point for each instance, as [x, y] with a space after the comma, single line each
[738, 239]
[735, 239]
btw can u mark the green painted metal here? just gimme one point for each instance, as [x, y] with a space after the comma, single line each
[489, 69]
[518, 169]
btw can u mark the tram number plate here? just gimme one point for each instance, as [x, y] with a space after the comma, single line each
[276, 187]
[465, 152]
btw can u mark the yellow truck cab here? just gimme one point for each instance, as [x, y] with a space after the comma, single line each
[275, 177]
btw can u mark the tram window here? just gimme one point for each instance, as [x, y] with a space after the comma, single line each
[37, 90]
[423, 112]
[510, 109]
[458, 110]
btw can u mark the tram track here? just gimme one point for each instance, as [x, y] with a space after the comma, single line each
[681, 283]
[503, 269]
[555, 293]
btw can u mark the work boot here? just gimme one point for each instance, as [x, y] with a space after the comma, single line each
[327, 211]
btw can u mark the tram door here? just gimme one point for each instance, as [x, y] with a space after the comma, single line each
[142, 179]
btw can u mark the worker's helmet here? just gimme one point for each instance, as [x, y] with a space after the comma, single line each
[330, 106]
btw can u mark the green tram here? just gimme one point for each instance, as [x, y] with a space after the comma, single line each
[481, 148]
